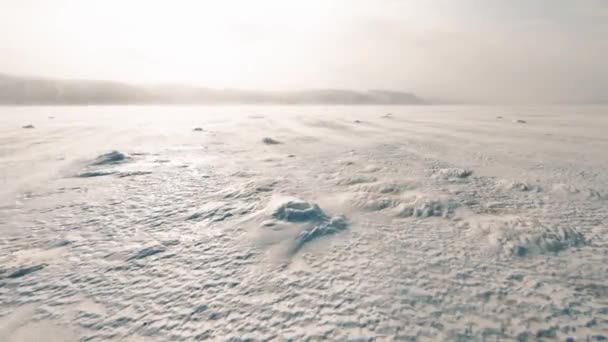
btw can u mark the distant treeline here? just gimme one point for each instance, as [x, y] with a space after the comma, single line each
[39, 91]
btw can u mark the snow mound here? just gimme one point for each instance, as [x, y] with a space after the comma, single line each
[371, 202]
[114, 157]
[297, 210]
[519, 237]
[270, 141]
[310, 220]
[219, 211]
[569, 190]
[346, 162]
[371, 168]
[385, 188]
[353, 180]
[452, 173]
[518, 186]
[422, 206]
[251, 188]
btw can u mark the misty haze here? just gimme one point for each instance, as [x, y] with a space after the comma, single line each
[303, 170]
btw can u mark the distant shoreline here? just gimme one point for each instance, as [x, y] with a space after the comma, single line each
[19, 91]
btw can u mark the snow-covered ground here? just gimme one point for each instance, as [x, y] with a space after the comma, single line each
[346, 223]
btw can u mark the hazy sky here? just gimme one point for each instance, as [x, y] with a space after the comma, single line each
[470, 50]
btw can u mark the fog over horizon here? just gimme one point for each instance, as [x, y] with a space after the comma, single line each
[471, 51]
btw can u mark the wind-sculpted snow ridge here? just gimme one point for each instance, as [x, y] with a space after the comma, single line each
[314, 222]
[113, 158]
[323, 228]
[425, 206]
[386, 187]
[371, 201]
[569, 190]
[353, 180]
[521, 238]
[518, 186]
[452, 173]
[110, 158]
[297, 210]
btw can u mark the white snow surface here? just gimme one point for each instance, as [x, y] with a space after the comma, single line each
[442, 223]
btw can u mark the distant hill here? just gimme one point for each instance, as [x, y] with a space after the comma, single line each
[40, 91]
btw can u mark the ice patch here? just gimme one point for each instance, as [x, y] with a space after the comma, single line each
[91, 174]
[110, 158]
[23, 271]
[146, 252]
[133, 173]
[519, 237]
[422, 206]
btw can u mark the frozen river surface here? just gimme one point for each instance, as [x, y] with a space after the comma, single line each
[303, 223]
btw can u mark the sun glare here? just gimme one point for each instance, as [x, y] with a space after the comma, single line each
[223, 43]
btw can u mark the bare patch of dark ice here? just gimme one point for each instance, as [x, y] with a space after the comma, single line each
[91, 174]
[133, 173]
[146, 252]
